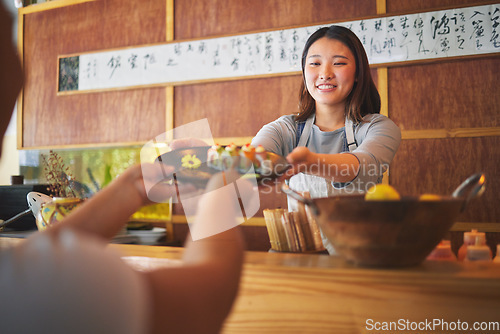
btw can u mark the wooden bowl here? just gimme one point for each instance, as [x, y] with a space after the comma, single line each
[385, 233]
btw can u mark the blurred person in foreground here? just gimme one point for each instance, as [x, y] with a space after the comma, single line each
[65, 280]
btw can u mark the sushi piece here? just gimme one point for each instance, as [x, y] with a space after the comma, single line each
[229, 156]
[214, 156]
[247, 153]
[264, 165]
[260, 155]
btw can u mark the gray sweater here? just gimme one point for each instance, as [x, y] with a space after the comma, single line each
[377, 138]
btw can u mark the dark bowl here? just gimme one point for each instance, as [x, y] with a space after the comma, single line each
[385, 233]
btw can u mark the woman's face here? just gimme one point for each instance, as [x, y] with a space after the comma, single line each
[329, 71]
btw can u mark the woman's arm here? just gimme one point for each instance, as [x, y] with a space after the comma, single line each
[342, 167]
[279, 136]
[378, 139]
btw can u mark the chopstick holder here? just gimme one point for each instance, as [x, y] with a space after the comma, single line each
[303, 222]
[294, 217]
[295, 231]
[271, 230]
[313, 225]
[291, 233]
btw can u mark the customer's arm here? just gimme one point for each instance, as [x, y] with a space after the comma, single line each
[108, 210]
[197, 297]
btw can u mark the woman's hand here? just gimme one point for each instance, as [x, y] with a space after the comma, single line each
[301, 160]
[341, 167]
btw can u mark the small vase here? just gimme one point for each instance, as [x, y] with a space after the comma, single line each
[54, 211]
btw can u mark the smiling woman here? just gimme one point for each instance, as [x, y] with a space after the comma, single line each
[363, 98]
[329, 77]
[338, 142]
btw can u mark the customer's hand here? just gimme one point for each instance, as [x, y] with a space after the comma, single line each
[152, 182]
[186, 143]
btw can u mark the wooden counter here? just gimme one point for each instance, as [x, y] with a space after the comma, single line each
[288, 293]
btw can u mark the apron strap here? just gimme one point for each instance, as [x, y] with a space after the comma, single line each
[349, 135]
[304, 136]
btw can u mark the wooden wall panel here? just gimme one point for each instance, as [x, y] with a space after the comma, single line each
[442, 96]
[404, 6]
[197, 19]
[237, 108]
[51, 120]
[440, 165]
[255, 237]
[457, 94]
[270, 194]
[241, 108]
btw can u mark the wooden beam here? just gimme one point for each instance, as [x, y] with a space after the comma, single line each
[458, 226]
[450, 133]
[480, 226]
[383, 90]
[381, 7]
[50, 5]
[20, 99]
[254, 221]
[169, 99]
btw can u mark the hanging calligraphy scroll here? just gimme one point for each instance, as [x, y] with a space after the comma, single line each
[438, 34]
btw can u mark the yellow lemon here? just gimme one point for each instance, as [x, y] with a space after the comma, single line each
[429, 197]
[382, 192]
